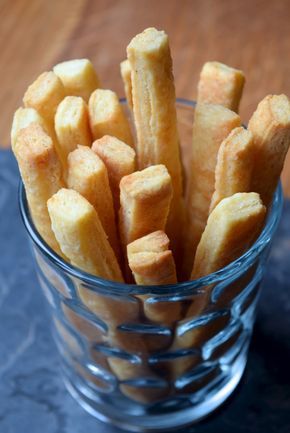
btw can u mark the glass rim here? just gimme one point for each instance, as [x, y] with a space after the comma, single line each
[180, 288]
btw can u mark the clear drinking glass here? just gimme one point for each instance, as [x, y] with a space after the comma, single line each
[142, 375]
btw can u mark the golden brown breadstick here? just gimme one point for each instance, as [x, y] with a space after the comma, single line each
[126, 76]
[87, 174]
[212, 124]
[235, 162]
[41, 174]
[155, 242]
[145, 201]
[220, 84]
[155, 115]
[115, 311]
[44, 94]
[153, 268]
[78, 77]
[151, 260]
[120, 160]
[135, 346]
[152, 264]
[270, 126]
[125, 370]
[80, 234]
[231, 229]
[22, 118]
[107, 116]
[72, 126]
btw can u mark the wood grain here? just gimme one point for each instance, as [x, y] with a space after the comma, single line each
[249, 34]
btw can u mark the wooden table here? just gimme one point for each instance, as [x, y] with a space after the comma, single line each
[249, 34]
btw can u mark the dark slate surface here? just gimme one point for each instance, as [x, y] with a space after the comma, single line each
[32, 396]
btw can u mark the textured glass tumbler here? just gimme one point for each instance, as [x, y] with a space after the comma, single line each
[140, 374]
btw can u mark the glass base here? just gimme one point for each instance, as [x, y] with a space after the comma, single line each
[178, 417]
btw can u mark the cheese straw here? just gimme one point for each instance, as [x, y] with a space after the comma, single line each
[45, 94]
[155, 115]
[131, 353]
[231, 229]
[270, 126]
[78, 77]
[212, 124]
[120, 160]
[125, 370]
[22, 118]
[107, 116]
[81, 236]
[145, 202]
[220, 84]
[72, 126]
[125, 69]
[151, 260]
[41, 174]
[87, 174]
[235, 163]
[152, 264]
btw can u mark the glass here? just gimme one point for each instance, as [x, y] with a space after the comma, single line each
[142, 375]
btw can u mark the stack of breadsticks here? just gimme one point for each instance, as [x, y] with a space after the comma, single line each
[119, 208]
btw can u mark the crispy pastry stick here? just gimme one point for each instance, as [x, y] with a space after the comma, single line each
[231, 229]
[72, 125]
[80, 234]
[145, 202]
[152, 264]
[40, 170]
[235, 163]
[107, 116]
[120, 160]
[22, 118]
[155, 115]
[212, 124]
[125, 69]
[87, 174]
[115, 311]
[78, 77]
[220, 84]
[151, 260]
[44, 94]
[126, 371]
[270, 126]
